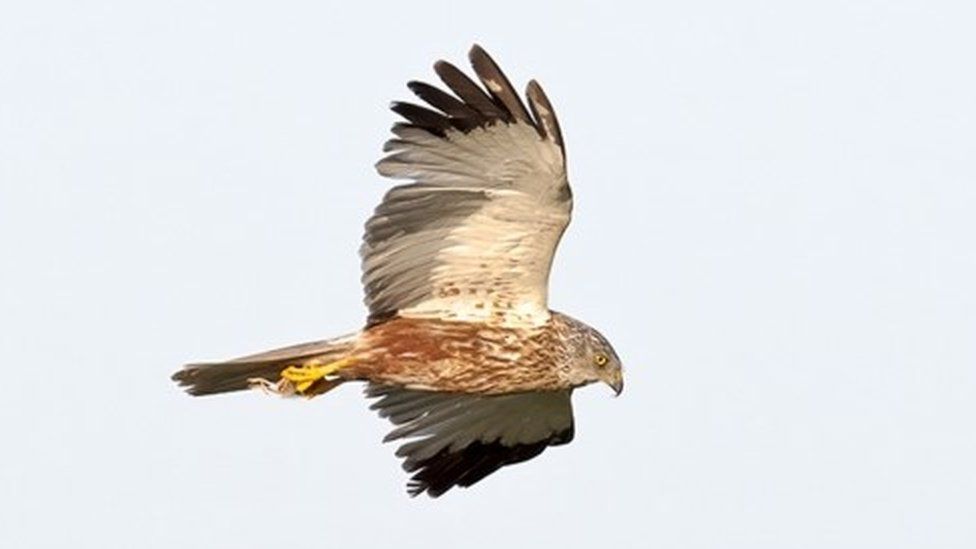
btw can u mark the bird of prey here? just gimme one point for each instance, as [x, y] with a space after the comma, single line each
[460, 349]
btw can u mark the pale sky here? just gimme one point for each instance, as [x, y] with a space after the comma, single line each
[773, 224]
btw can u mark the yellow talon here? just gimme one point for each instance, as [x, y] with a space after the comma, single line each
[302, 377]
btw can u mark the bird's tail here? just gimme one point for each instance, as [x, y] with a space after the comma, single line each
[265, 370]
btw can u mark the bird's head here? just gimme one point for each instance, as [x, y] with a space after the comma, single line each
[595, 360]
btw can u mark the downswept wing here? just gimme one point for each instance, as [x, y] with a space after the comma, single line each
[458, 439]
[473, 236]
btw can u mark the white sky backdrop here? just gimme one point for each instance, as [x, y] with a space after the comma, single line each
[774, 225]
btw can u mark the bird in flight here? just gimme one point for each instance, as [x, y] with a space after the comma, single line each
[460, 349]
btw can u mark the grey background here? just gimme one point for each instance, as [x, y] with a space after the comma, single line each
[773, 225]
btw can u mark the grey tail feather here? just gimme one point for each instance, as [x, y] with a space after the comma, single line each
[212, 378]
[225, 377]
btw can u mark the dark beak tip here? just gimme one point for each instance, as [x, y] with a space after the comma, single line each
[617, 388]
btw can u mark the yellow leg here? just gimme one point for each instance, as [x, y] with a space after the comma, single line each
[302, 377]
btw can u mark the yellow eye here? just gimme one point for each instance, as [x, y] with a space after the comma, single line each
[601, 360]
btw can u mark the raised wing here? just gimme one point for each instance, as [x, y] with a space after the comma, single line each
[458, 439]
[473, 236]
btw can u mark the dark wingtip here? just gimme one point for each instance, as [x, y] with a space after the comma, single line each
[543, 113]
[499, 86]
[414, 489]
[463, 468]
[475, 51]
[474, 104]
[441, 66]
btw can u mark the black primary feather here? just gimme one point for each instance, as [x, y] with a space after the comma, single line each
[431, 420]
[445, 470]
[434, 122]
[497, 84]
[545, 116]
[477, 106]
[462, 116]
[469, 92]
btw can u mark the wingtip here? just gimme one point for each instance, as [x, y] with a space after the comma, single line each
[476, 50]
[441, 65]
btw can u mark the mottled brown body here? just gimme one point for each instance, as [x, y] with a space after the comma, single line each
[460, 348]
[461, 357]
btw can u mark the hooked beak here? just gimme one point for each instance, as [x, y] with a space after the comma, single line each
[617, 383]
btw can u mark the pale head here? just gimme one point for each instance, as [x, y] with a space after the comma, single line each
[587, 356]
